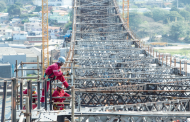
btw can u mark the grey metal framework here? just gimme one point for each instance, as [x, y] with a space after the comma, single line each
[113, 78]
[117, 77]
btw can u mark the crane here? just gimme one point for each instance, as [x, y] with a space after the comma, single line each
[45, 39]
[125, 9]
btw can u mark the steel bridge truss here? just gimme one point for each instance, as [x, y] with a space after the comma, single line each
[114, 73]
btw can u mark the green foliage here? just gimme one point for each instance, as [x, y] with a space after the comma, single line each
[185, 14]
[178, 30]
[175, 16]
[159, 14]
[175, 9]
[14, 10]
[67, 26]
[38, 9]
[25, 21]
[18, 4]
[148, 14]
[2, 6]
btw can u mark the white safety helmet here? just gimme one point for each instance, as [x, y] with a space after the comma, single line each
[33, 88]
[60, 86]
[61, 60]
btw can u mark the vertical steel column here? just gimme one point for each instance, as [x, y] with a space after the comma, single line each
[13, 113]
[17, 84]
[21, 95]
[38, 85]
[166, 60]
[51, 59]
[21, 88]
[73, 105]
[175, 62]
[50, 95]
[180, 67]
[45, 94]
[72, 73]
[186, 68]
[170, 61]
[29, 91]
[27, 110]
[162, 59]
[41, 65]
[4, 101]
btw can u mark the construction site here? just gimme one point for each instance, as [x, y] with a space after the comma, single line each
[114, 76]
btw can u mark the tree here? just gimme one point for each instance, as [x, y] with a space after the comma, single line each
[178, 30]
[159, 14]
[175, 9]
[38, 9]
[185, 14]
[14, 10]
[175, 16]
[2, 6]
[149, 14]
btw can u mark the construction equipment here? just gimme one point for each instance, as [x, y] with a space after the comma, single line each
[45, 40]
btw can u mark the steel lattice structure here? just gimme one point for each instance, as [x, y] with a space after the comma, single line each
[116, 74]
[116, 78]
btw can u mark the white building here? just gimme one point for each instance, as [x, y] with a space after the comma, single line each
[19, 36]
[36, 26]
[4, 17]
[8, 33]
[16, 29]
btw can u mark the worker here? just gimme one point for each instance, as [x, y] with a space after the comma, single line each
[33, 99]
[59, 92]
[53, 72]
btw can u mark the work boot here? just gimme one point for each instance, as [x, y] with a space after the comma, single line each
[42, 104]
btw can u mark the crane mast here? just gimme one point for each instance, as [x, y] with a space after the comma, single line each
[45, 39]
[125, 9]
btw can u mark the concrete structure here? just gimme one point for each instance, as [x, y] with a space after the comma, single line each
[19, 36]
[5, 70]
[36, 26]
[4, 17]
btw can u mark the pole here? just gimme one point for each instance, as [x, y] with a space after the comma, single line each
[38, 85]
[4, 101]
[73, 104]
[45, 94]
[29, 91]
[27, 110]
[17, 83]
[14, 100]
[21, 88]
[50, 95]
[21, 95]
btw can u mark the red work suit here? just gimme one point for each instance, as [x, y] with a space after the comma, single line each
[33, 105]
[57, 93]
[54, 70]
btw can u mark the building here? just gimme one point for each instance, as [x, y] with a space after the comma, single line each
[60, 16]
[6, 72]
[53, 32]
[34, 39]
[4, 17]
[36, 26]
[8, 33]
[19, 36]
[15, 21]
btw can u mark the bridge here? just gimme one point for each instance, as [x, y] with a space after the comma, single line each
[114, 76]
